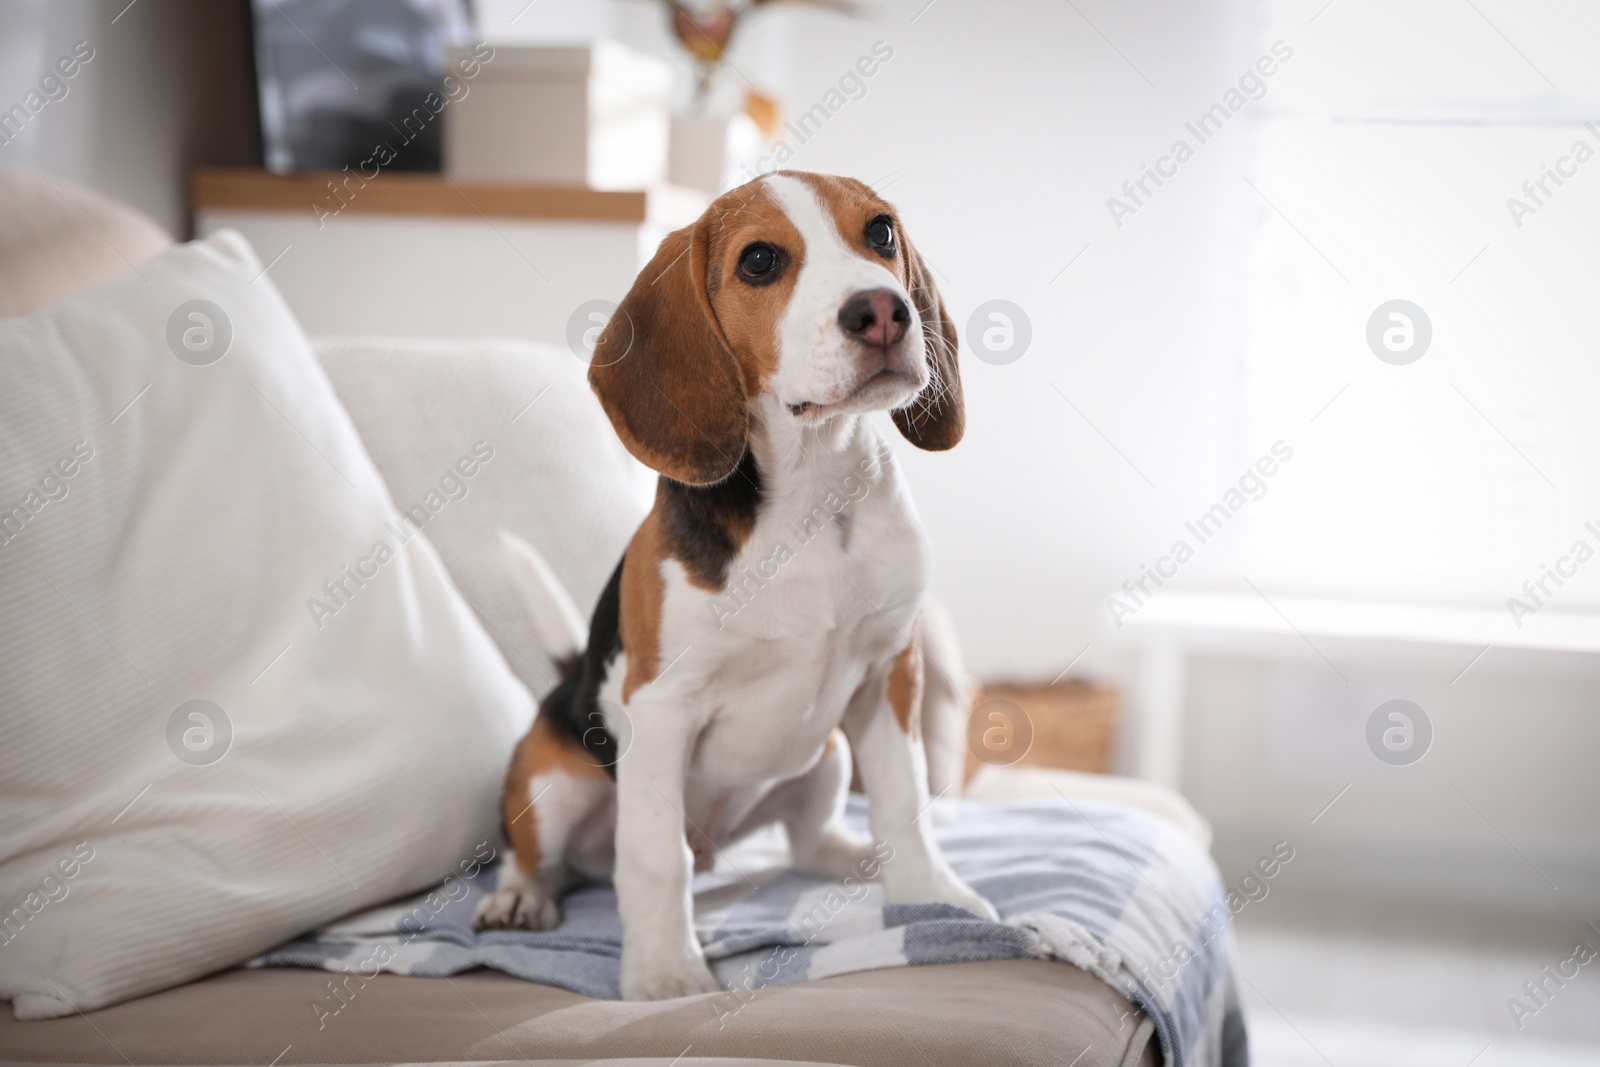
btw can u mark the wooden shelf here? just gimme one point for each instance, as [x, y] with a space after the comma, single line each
[400, 193]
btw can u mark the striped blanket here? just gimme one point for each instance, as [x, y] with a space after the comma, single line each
[1109, 889]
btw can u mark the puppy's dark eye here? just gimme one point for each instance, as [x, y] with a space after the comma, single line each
[880, 234]
[759, 263]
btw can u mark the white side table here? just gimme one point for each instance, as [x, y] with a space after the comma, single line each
[1175, 623]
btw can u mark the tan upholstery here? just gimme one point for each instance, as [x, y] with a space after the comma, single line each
[955, 1015]
[57, 237]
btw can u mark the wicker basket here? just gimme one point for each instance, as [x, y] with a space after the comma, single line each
[1070, 726]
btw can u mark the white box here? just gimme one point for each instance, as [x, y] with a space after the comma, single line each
[592, 114]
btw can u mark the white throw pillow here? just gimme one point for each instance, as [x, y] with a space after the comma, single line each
[475, 436]
[178, 527]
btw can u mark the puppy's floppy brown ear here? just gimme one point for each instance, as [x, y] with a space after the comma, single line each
[937, 417]
[664, 372]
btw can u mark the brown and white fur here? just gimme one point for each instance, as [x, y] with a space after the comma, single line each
[683, 726]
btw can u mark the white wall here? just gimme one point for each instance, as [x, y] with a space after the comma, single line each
[168, 87]
[999, 129]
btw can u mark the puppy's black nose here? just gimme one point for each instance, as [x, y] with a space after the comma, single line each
[877, 317]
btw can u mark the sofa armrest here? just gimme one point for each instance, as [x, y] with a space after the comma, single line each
[1031, 783]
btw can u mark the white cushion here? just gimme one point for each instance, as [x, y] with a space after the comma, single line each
[176, 525]
[557, 476]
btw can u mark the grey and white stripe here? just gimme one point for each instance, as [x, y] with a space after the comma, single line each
[1109, 889]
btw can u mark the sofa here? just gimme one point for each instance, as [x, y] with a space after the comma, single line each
[56, 239]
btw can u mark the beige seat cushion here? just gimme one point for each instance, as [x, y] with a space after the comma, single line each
[57, 237]
[1021, 1012]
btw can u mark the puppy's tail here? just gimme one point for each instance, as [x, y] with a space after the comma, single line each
[555, 617]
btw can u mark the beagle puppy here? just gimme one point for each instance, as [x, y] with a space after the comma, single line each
[770, 600]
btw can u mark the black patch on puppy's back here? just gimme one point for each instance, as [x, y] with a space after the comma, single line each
[573, 706]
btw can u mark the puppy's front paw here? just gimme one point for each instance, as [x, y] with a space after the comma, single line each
[942, 886]
[962, 895]
[656, 976]
[524, 907]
